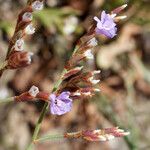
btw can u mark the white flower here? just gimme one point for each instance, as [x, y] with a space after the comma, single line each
[27, 16]
[97, 90]
[93, 81]
[88, 54]
[19, 45]
[33, 91]
[30, 29]
[96, 72]
[70, 25]
[29, 56]
[37, 5]
[92, 42]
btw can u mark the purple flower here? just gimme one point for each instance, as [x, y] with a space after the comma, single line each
[106, 25]
[61, 104]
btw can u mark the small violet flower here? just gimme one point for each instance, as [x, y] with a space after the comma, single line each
[106, 25]
[61, 104]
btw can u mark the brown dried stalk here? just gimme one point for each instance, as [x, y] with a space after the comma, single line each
[15, 58]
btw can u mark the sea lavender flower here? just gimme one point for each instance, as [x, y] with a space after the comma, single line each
[61, 104]
[106, 25]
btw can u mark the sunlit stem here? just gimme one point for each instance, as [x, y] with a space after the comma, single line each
[59, 136]
[3, 65]
[46, 106]
[7, 100]
[50, 137]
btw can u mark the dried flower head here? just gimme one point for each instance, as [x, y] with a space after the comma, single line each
[106, 25]
[103, 135]
[19, 59]
[61, 104]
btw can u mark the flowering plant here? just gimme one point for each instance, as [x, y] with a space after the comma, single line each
[75, 82]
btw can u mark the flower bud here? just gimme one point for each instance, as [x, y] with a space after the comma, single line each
[19, 45]
[119, 9]
[19, 59]
[27, 17]
[96, 72]
[30, 29]
[92, 42]
[72, 72]
[88, 54]
[37, 5]
[116, 19]
[93, 81]
[104, 134]
[97, 90]
[33, 91]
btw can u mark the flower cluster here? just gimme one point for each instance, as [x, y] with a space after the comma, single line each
[17, 57]
[76, 82]
[102, 135]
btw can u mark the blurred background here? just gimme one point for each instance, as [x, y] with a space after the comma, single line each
[124, 99]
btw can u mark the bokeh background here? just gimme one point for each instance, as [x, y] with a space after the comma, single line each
[124, 99]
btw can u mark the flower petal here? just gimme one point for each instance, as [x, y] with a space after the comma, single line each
[60, 108]
[106, 25]
[52, 98]
[64, 96]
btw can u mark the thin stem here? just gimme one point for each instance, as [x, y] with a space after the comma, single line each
[2, 67]
[50, 137]
[38, 125]
[58, 83]
[60, 136]
[45, 108]
[7, 100]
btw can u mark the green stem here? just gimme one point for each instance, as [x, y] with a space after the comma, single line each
[38, 125]
[50, 137]
[60, 136]
[3, 65]
[45, 107]
[7, 100]
[44, 110]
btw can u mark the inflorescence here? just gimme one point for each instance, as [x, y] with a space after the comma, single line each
[75, 82]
